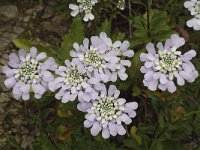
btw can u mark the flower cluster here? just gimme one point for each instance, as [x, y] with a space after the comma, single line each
[103, 59]
[73, 82]
[84, 6]
[108, 113]
[94, 63]
[121, 4]
[161, 67]
[27, 72]
[194, 7]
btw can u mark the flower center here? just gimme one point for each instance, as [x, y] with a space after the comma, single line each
[93, 59]
[74, 77]
[87, 5]
[107, 109]
[28, 72]
[168, 61]
[197, 9]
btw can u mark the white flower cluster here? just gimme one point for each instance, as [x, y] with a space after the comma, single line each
[194, 7]
[73, 82]
[161, 68]
[29, 72]
[108, 113]
[84, 6]
[103, 59]
[121, 4]
[94, 64]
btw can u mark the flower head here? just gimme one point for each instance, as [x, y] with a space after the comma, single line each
[103, 59]
[121, 4]
[162, 67]
[194, 7]
[72, 82]
[85, 6]
[108, 113]
[29, 72]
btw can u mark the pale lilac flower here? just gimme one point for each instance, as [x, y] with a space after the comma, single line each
[118, 68]
[102, 58]
[84, 6]
[72, 82]
[29, 72]
[194, 7]
[163, 66]
[108, 113]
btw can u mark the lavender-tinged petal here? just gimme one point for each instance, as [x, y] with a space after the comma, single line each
[121, 130]
[105, 133]
[171, 87]
[125, 45]
[87, 124]
[41, 56]
[25, 96]
[150, 48]
[143, 57]
[128, 53]
[10, 82]
[163, 79]
[162, 87]
[111, 90]
[33, 52]
[8, 71]
[113, 128]
[25, 88]
[126, 63]
[117, 93]
[131, 106]
[122, 75]
[21, 54]
[96, 128]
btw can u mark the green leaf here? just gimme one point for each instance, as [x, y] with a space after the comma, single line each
[23, 44]
[75, 34]
[160, 28]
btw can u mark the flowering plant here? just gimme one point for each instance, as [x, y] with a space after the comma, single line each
[194, 7]
[93, 86]
[108, 113]
[27, 72]
[161, 67]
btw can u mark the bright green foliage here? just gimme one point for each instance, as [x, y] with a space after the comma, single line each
[151, 27]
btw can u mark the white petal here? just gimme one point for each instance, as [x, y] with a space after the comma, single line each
[41, 56]
[96, 128]
[105, 133]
